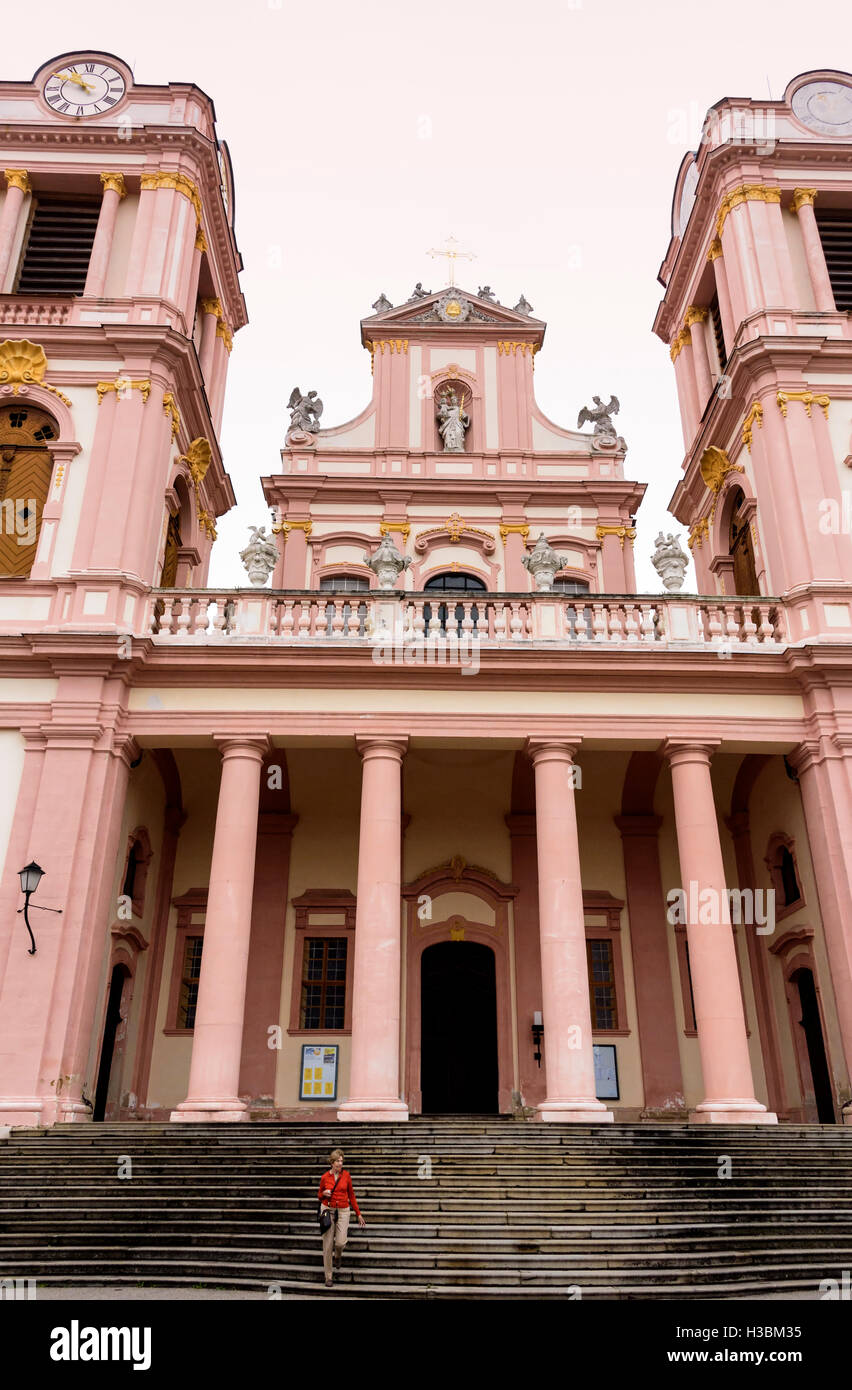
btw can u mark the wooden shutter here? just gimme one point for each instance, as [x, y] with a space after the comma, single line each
[835, 230]
[25, 470]
[59, 246]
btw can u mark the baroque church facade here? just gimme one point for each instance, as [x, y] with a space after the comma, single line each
[434, 813]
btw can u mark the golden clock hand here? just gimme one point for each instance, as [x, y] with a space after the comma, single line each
[76, 78]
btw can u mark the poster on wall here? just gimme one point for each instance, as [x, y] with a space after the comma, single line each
[606, 1071]
[319, 1071]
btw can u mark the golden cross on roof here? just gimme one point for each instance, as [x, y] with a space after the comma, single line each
[453, 255]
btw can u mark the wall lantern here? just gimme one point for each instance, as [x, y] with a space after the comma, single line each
[31, 876]
[537, 1031]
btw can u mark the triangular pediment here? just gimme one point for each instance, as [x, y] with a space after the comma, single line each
[451, 307]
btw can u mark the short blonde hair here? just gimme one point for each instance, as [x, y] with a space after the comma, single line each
[335, 1153]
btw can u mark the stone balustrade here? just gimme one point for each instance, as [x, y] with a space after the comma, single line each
[193, 615]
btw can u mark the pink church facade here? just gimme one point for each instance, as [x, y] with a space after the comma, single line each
[436, 814]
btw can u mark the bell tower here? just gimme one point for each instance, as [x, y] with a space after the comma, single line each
[756, 314]
[119, 298]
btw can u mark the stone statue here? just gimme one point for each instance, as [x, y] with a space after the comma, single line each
[453, 420]
[305, 411]
[600, 416]
[382, 304]
[543, 563]
[260, 556]
[523, 306]
[486, 292]
[670, 562]
[386, 563]
[418, 292]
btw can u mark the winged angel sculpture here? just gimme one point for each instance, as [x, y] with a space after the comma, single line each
[305, 411]
[599, 415]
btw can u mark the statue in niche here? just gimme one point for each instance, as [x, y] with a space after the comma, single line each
[305, 411]
[453, 420]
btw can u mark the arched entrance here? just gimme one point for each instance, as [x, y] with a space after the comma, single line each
[810, 1046]
[107, 1093]
[458, 1029]
[25, 470]
[741, 550]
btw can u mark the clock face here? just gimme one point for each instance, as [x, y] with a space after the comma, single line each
[84, 89]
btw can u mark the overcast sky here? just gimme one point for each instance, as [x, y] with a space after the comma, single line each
[545, 136]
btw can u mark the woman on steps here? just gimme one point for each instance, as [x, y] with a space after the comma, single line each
[335, 1197]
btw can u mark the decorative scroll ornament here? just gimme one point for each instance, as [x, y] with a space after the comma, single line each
[259, 557]
[122, 386]
[698, 532]
[754, 417]
[715, 467]
[624, 533]
[198, 457]
[452, 307]
[23, 363]
[170, 408]
[386, 563]
[514, 528]
[543, 563]
[454, 528]
[670, 561]
[404, 528]
[806, 397]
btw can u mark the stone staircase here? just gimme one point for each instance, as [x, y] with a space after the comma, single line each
[511, 1209]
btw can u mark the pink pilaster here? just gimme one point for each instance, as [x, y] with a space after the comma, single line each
[17, 187]
[803, 205]
[568, 1054]
[374, 1083]
[114, 191]
[728, 1085]
[696, 320]
[294, 560]
[210, 311]
[687, 394]
[723, 292]
[217, 1043]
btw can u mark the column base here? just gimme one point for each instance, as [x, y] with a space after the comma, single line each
[394, 1111]
[210, 1112]
[573, 1112]
[732, 1113]
[30, 1112]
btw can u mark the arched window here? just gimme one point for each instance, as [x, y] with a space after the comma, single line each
[25, 469]
[780, 860]
[139, 855]
[454, 582]
[567, 584]
[345, 584]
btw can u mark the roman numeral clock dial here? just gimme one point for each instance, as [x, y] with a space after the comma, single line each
[84, 89]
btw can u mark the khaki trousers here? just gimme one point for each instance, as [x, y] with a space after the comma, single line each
[335, 1237]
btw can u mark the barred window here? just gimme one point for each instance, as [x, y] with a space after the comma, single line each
[602, 983]
[190, 975]
[323, 982]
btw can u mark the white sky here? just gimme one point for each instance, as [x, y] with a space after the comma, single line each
[545, 136]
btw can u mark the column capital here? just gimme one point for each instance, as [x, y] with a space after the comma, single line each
[210, 306]
[715, 250]
[562, 750]
[803, 197]
[18, 178]
[114, 182]
[690, 750]
[382, 746]
[253, 746]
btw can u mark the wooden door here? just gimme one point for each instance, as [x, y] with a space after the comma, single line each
[25, 471]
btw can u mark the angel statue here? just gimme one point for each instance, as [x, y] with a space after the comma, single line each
[600, 415]
[453, 420]
[304, 411]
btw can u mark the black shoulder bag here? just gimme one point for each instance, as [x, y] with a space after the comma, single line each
[325, 1216]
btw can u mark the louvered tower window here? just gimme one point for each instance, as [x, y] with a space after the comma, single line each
[716, 322]
[835, 230]
[59, 246]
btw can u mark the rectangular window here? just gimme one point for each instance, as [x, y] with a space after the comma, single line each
[690, 1022]
[58, 246]
[323, 982]
[602, 994]
[835, 230]
[190, 975]
[718, 335]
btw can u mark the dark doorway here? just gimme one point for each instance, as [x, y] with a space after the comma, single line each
[113, 1019]
[741, 551]
[811, 1025]
[458, 1031]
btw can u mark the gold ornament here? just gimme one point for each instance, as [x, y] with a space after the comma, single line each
[754, 417]
[23, 363]
[806, 397]
[115, 182]
[18, 178]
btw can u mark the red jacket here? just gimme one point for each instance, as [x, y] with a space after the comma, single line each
[344, 1195]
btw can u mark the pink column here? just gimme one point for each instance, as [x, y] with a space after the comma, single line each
[217, 1044]
[568, 1056]
[17, 185]
[294, 559]
[722, 1042]
[695, 321]
[210, 310]
[687, 394]
[723, 292]
[803, 205]
[374, 1083]
[114, 191]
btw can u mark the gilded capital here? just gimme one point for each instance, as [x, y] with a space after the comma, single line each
[745, 193]
[715, 249]
[695, 315]
[18, 178]
[115, 182]
[211, 306]
[801, 196]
